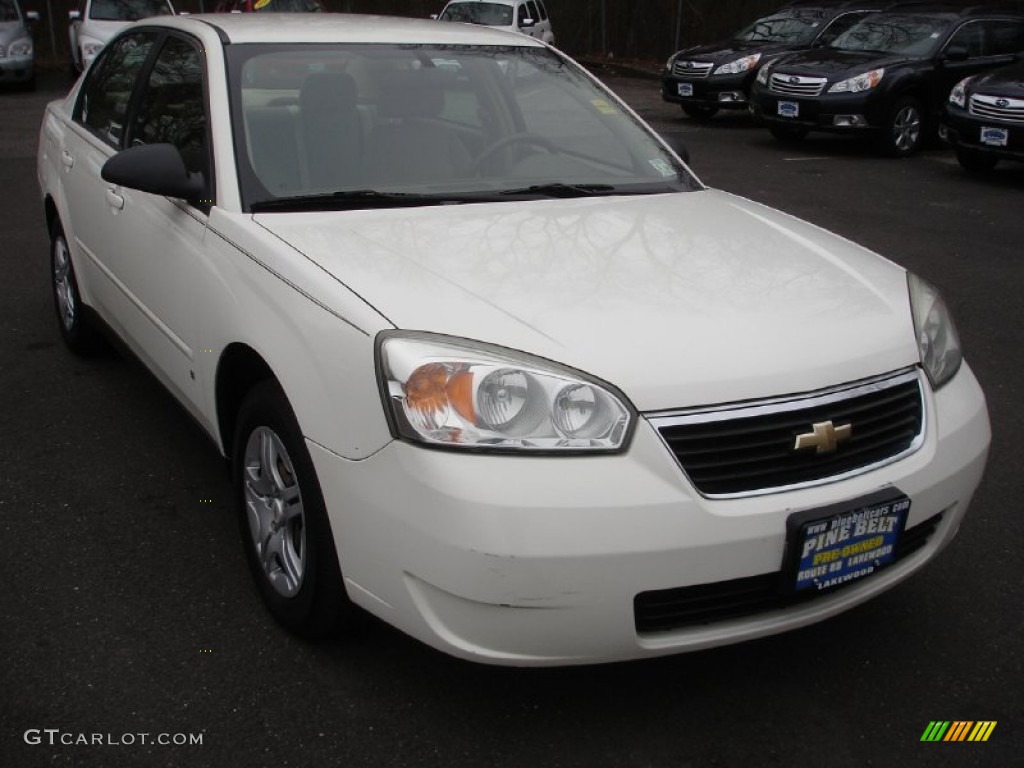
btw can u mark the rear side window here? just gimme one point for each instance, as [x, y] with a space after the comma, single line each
[105, 96]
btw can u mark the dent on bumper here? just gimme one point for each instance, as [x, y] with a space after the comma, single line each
[537, 561]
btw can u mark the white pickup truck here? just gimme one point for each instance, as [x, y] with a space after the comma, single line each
[94, 22]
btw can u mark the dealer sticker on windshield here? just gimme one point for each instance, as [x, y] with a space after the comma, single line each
[995, 137]
[829, 547]
[685, 89]
[789, 109]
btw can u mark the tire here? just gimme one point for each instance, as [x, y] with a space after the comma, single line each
[75, 328]
[699, 112]
[976, 162]
[282, 518]
[904, 131]
[788, 134]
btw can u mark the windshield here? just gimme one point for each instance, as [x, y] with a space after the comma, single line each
[128, 10]
[903, 35]
[796, 27]
[8, 11]
[490, 14]
[394, 124]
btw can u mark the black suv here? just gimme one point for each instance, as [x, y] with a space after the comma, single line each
[984, 118]
[890, 74]
[706, 78]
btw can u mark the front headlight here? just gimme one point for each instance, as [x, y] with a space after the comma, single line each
[864, 82]
[671, 60]
[958, 95]
[762, 74]
[745, 64]
[937, 339]
[20, 47]
[449, 392]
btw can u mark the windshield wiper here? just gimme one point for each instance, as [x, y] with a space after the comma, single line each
[355, 198]
[558, 189]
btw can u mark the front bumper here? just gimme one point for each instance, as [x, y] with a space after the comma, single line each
[16, 69]
[721, 91]
[827, 112]
[965, 131]
[538, 561]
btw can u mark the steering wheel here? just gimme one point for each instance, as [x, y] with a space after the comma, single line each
[525, 138]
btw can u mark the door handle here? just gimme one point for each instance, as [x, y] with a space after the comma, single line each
[67, 160]
[114, 200]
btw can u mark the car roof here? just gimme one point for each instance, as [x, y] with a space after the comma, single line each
[240, 28]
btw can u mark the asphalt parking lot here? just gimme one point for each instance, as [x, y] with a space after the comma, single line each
[127, 608]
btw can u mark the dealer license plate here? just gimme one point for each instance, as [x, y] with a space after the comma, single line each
[789, 109]
[995, 137]
[685, 89]
[829, 547]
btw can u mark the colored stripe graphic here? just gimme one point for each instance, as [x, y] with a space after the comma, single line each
[958, 730]
[982, 730]
[935, 731]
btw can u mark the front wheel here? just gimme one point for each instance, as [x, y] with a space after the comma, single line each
[283, 518]
[976, 162]
[904, 129]
[699, 112]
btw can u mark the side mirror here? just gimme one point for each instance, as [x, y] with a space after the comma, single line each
[433, 16]
[676, 144]
[527, 23]
[32, 17]
[155, 168]
[957, 53]
[74, 15]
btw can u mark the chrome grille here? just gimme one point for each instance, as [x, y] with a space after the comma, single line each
[997, 107]
[749, 449]
[794, 85]
[692, 69]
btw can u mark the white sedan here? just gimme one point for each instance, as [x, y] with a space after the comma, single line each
[486, 359]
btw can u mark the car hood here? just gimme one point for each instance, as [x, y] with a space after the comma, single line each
[727, 50]
[1007, 81]
[835, 64]
[679, 299]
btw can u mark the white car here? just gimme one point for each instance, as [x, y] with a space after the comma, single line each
[530, 17]
[485, 357]
[94, 22]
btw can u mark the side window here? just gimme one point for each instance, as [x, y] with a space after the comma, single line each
[542, 10]
[521, 14]
[839, 25]
[1004, 37]
[104, 100]
[531, 9]
[971, 36]
[172, 108]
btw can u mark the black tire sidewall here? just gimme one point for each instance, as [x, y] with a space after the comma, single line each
[320, 602]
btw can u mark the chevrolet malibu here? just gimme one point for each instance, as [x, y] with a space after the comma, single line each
[484, 357]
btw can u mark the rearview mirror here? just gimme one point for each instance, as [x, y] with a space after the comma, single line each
[957, 53]
[155, 168]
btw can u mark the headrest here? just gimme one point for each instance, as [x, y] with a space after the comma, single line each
[327, 92]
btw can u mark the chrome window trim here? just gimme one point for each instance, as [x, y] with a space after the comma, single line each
[735, 411]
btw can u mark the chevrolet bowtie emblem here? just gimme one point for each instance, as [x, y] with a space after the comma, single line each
[824, 438]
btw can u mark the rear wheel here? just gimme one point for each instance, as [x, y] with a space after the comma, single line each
[283, 518]
[78, 334]
[699, 111]
[976, 162]
[904, 129]
[788, 134]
